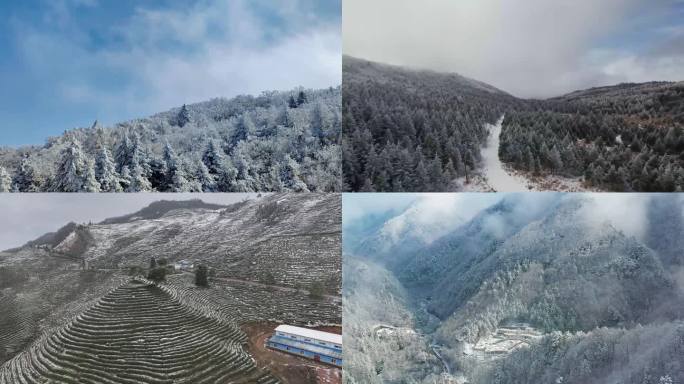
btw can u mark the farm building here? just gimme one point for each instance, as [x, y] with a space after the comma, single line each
[183, 265]
[317, 345]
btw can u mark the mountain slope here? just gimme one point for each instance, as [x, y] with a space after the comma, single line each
[627, 137]
[137, 333]
[272, 259]
[278, 141]
[410, 130]
[541, 288]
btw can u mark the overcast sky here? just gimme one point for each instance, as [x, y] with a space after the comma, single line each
[530, 48]
[26, 216]
[66, 63]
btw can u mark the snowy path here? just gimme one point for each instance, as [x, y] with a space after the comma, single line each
[496, 175]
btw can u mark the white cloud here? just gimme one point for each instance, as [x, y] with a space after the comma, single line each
[626, 212]
[168, 57]
[433, 215]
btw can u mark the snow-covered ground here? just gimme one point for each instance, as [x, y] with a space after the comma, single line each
[496, 175]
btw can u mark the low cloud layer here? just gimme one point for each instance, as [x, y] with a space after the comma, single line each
[530, 48]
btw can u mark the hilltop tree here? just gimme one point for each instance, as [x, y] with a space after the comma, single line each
[201, 279]
[183, 116]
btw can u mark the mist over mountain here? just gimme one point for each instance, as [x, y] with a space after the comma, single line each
[278, 141]
[532, 277]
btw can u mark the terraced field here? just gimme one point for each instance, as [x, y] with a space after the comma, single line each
[139, 333]
[16, 325]
[247, 302]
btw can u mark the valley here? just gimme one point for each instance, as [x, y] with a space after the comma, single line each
[413, 130]
[527, 279]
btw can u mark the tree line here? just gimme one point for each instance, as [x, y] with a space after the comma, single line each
[623, 138]
[279, 141]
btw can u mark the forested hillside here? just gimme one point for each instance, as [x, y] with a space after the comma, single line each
[411, 130]
[624, 138]
[538, 288]
[278, 141]
[407, 130]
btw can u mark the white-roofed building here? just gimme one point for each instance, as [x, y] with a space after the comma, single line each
[316, 345]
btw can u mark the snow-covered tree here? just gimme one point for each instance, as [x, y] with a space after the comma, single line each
[105, 172]
[177, 180]
[75, 172]
[123, 155]
[241, 143]
[301, 98]
[183, 116]
[5, 180]
[205, 179]
[291, 177]
[24, 179]
[138, 182]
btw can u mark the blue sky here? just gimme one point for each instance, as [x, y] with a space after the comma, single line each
[530, 48]
[66, 63]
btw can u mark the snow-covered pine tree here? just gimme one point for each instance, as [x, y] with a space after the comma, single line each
[213, 158]
[5, 180]
[73, 171]
[206, 181]
[290, 176]
[177, 181]
[105, 172]
[301, 98]
[243, 130]
[220, 169]
[170, 166]
[24, 179]
[183, 116]
[90, 184]
[138, 181]
[123, 155]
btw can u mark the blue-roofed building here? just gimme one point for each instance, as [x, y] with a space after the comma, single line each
[316, 345]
